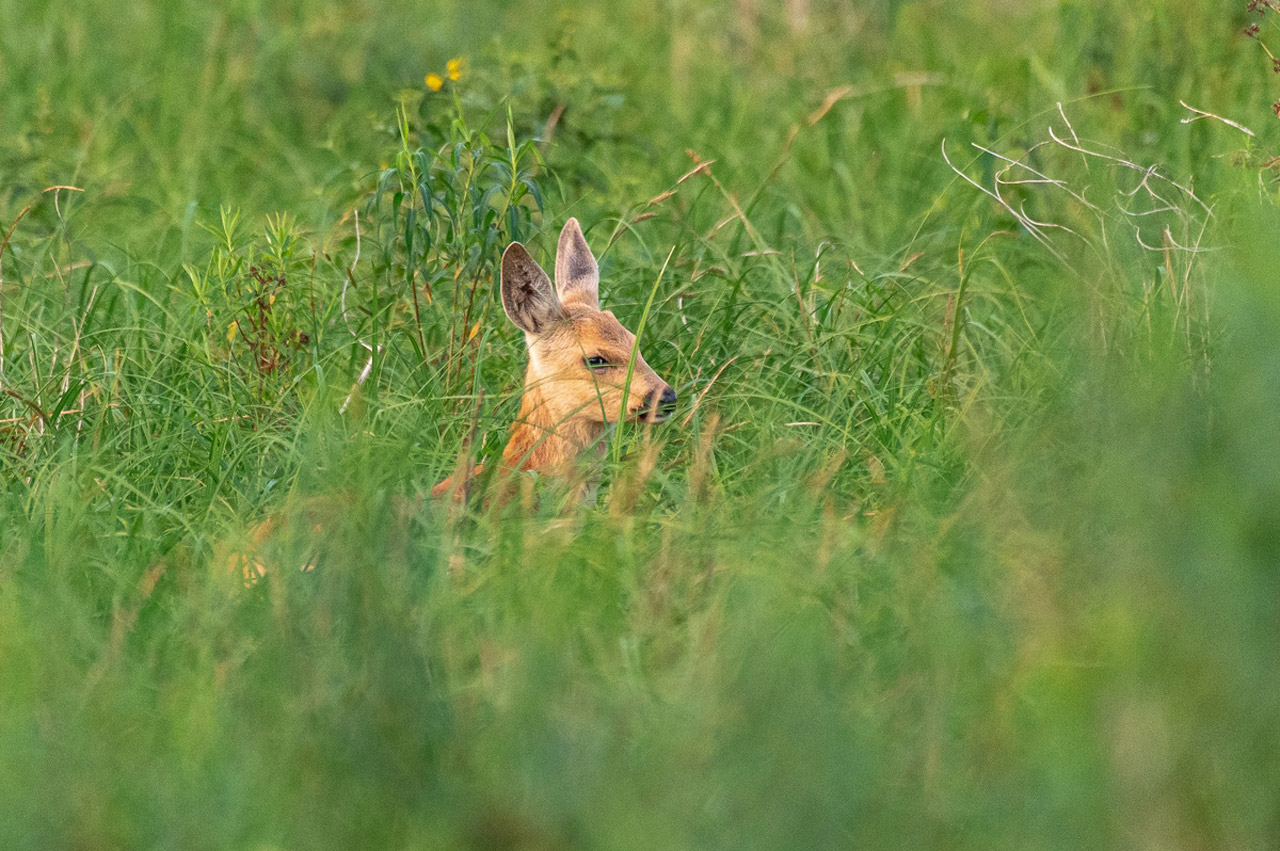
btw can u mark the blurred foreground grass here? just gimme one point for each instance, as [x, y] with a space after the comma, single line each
[964, 536]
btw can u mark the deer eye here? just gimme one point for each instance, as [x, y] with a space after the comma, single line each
[595, 362]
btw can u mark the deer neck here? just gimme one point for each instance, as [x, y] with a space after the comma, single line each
[544, 441]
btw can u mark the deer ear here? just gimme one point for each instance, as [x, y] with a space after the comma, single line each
[577, 275]
[527, 296]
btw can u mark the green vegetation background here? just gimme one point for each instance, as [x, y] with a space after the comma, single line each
[965, 535]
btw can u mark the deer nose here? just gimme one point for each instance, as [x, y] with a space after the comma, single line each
[667, 401]
[658, 405]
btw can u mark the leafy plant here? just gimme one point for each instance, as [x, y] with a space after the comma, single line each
[442, 213]
[259, 306]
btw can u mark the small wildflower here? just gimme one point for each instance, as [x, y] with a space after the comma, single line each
[1275, 65]
[1251, 31]
[434, 81]
[453, 69]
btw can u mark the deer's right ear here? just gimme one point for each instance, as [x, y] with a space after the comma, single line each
[527, 295]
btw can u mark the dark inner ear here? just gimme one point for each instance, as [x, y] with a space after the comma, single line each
[527, 295]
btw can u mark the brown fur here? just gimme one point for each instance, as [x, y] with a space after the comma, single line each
[567, 404]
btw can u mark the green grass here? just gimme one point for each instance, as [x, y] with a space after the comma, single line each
[964, 535]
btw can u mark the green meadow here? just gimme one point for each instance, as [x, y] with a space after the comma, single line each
[965, 534]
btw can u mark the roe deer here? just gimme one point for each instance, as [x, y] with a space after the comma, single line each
[584, 372]
[581, 362]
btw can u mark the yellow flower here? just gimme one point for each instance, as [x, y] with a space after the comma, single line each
[434, 82]
[453, 68]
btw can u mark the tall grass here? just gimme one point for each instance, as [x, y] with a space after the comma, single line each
[962, 536]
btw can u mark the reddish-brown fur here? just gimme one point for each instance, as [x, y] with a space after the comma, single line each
[567, 403]
[568, 400]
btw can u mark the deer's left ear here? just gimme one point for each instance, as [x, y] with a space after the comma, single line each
[577, 275]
